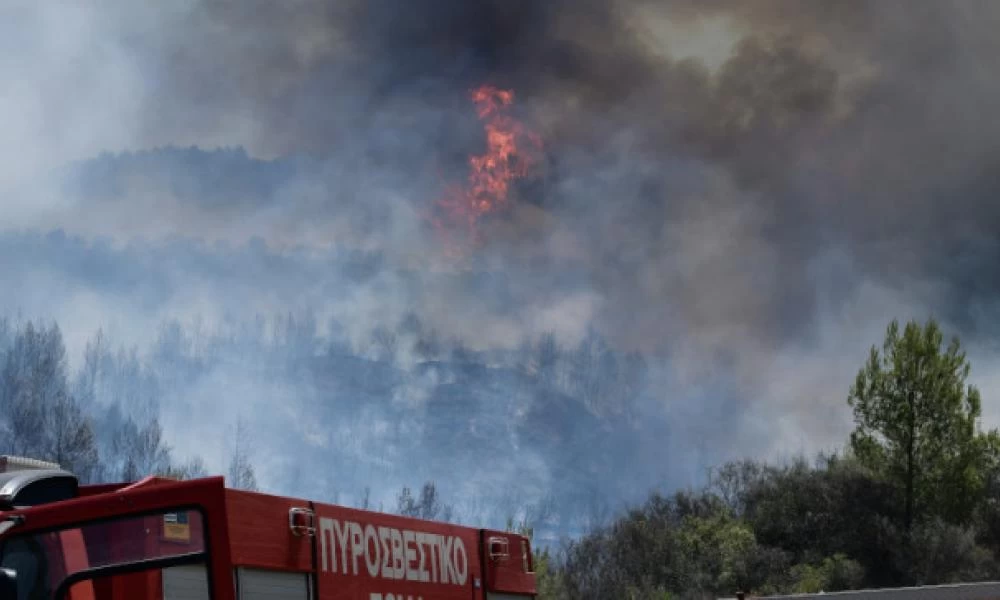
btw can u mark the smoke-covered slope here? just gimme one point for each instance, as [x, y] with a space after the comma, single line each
[742, 193]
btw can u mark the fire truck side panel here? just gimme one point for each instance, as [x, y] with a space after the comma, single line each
[508, 564]
[264, 547]
[113, 510]
[172, 534]
[261, 584]
[184, 583]
[376, 556]
[259, 532]
[75, 559]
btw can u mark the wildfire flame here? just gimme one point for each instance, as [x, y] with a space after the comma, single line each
[508, 156]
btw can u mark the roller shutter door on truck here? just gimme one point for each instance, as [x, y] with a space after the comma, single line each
[185, 583]
[258, 584]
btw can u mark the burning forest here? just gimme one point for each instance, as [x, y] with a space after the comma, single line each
[615, 241]
[511, 154]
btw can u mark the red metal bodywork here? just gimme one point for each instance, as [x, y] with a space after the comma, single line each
[512, 570]
[109, 505]
[351, 554]
[367, 552]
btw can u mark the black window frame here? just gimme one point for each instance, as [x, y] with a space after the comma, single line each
[191, 558]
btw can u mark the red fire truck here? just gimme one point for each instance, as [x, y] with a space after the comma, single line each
[161, 539]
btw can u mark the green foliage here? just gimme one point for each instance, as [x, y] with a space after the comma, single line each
[915, 500]
[804, 528]
[835, 507]
[916, 423]
[718, 550]
[948, 554]
[548, 577]
[647, 592]
[834, 573]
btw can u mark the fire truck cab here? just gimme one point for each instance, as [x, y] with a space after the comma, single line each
[161, 539]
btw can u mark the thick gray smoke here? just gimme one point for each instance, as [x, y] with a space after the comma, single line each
[744, 192]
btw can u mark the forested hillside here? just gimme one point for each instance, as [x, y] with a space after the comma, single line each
[315, 414]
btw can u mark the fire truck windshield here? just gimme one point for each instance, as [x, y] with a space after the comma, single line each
[46, 564]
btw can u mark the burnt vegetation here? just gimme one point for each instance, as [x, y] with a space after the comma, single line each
[403, 405]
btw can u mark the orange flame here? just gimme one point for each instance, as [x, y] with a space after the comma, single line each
[491, 173]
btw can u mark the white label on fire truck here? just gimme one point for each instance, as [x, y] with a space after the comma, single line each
[350, 548]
